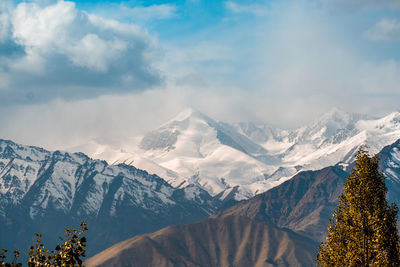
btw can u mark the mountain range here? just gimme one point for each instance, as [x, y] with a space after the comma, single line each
[281, 227]
[45, 192]
[245, 159]
[287, 182]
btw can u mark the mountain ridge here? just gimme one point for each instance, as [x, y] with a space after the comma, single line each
[192, 148]
[43, 191]
[302, 205]
[212, 242]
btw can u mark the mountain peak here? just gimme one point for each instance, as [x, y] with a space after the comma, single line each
[190, 113]
[339, 115]
[336, 119]
[335, 114]
[394, 115]
[391, 120]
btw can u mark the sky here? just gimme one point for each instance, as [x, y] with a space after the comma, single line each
[75, 71]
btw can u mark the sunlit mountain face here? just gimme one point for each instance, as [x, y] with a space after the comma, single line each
[245, 159]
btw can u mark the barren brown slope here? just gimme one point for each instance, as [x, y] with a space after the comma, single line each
[229, 241]
[303, 204]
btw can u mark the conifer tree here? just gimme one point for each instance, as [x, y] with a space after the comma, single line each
[363, 231]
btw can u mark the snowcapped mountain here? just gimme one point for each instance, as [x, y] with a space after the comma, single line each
[245, 159]
[333, 138]
[299, 210]
[305, 203]
[48, 191]
[43, 191]
[194, 149]
[336, 137]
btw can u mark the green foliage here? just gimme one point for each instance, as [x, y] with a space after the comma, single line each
[363, 230]
[67, 254]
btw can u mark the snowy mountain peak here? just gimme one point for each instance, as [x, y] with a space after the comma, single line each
[9, 148]
[43, 191]
[392, 119]
[334, 120]
[61, 180]
[195, 149]
[193, 125]
[188, 114]
[387, 124]
[336, 115]
[340, 119]
[334, 127]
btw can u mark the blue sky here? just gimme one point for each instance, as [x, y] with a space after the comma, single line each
[282, 62]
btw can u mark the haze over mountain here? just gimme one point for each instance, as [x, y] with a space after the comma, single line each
[245, 159]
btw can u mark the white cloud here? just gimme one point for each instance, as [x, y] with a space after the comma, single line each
[95, 53]
[253, 9]
[153, 12]
[58, 45]
[62, 29]
[384, 30]
[43, 28]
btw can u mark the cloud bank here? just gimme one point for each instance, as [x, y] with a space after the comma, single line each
[58, 51]
[79, 77]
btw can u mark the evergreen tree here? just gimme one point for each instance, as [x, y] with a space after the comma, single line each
[363, 231]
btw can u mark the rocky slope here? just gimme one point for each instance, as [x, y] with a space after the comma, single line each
[227, 242]
[305, 203]
[42, 191]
